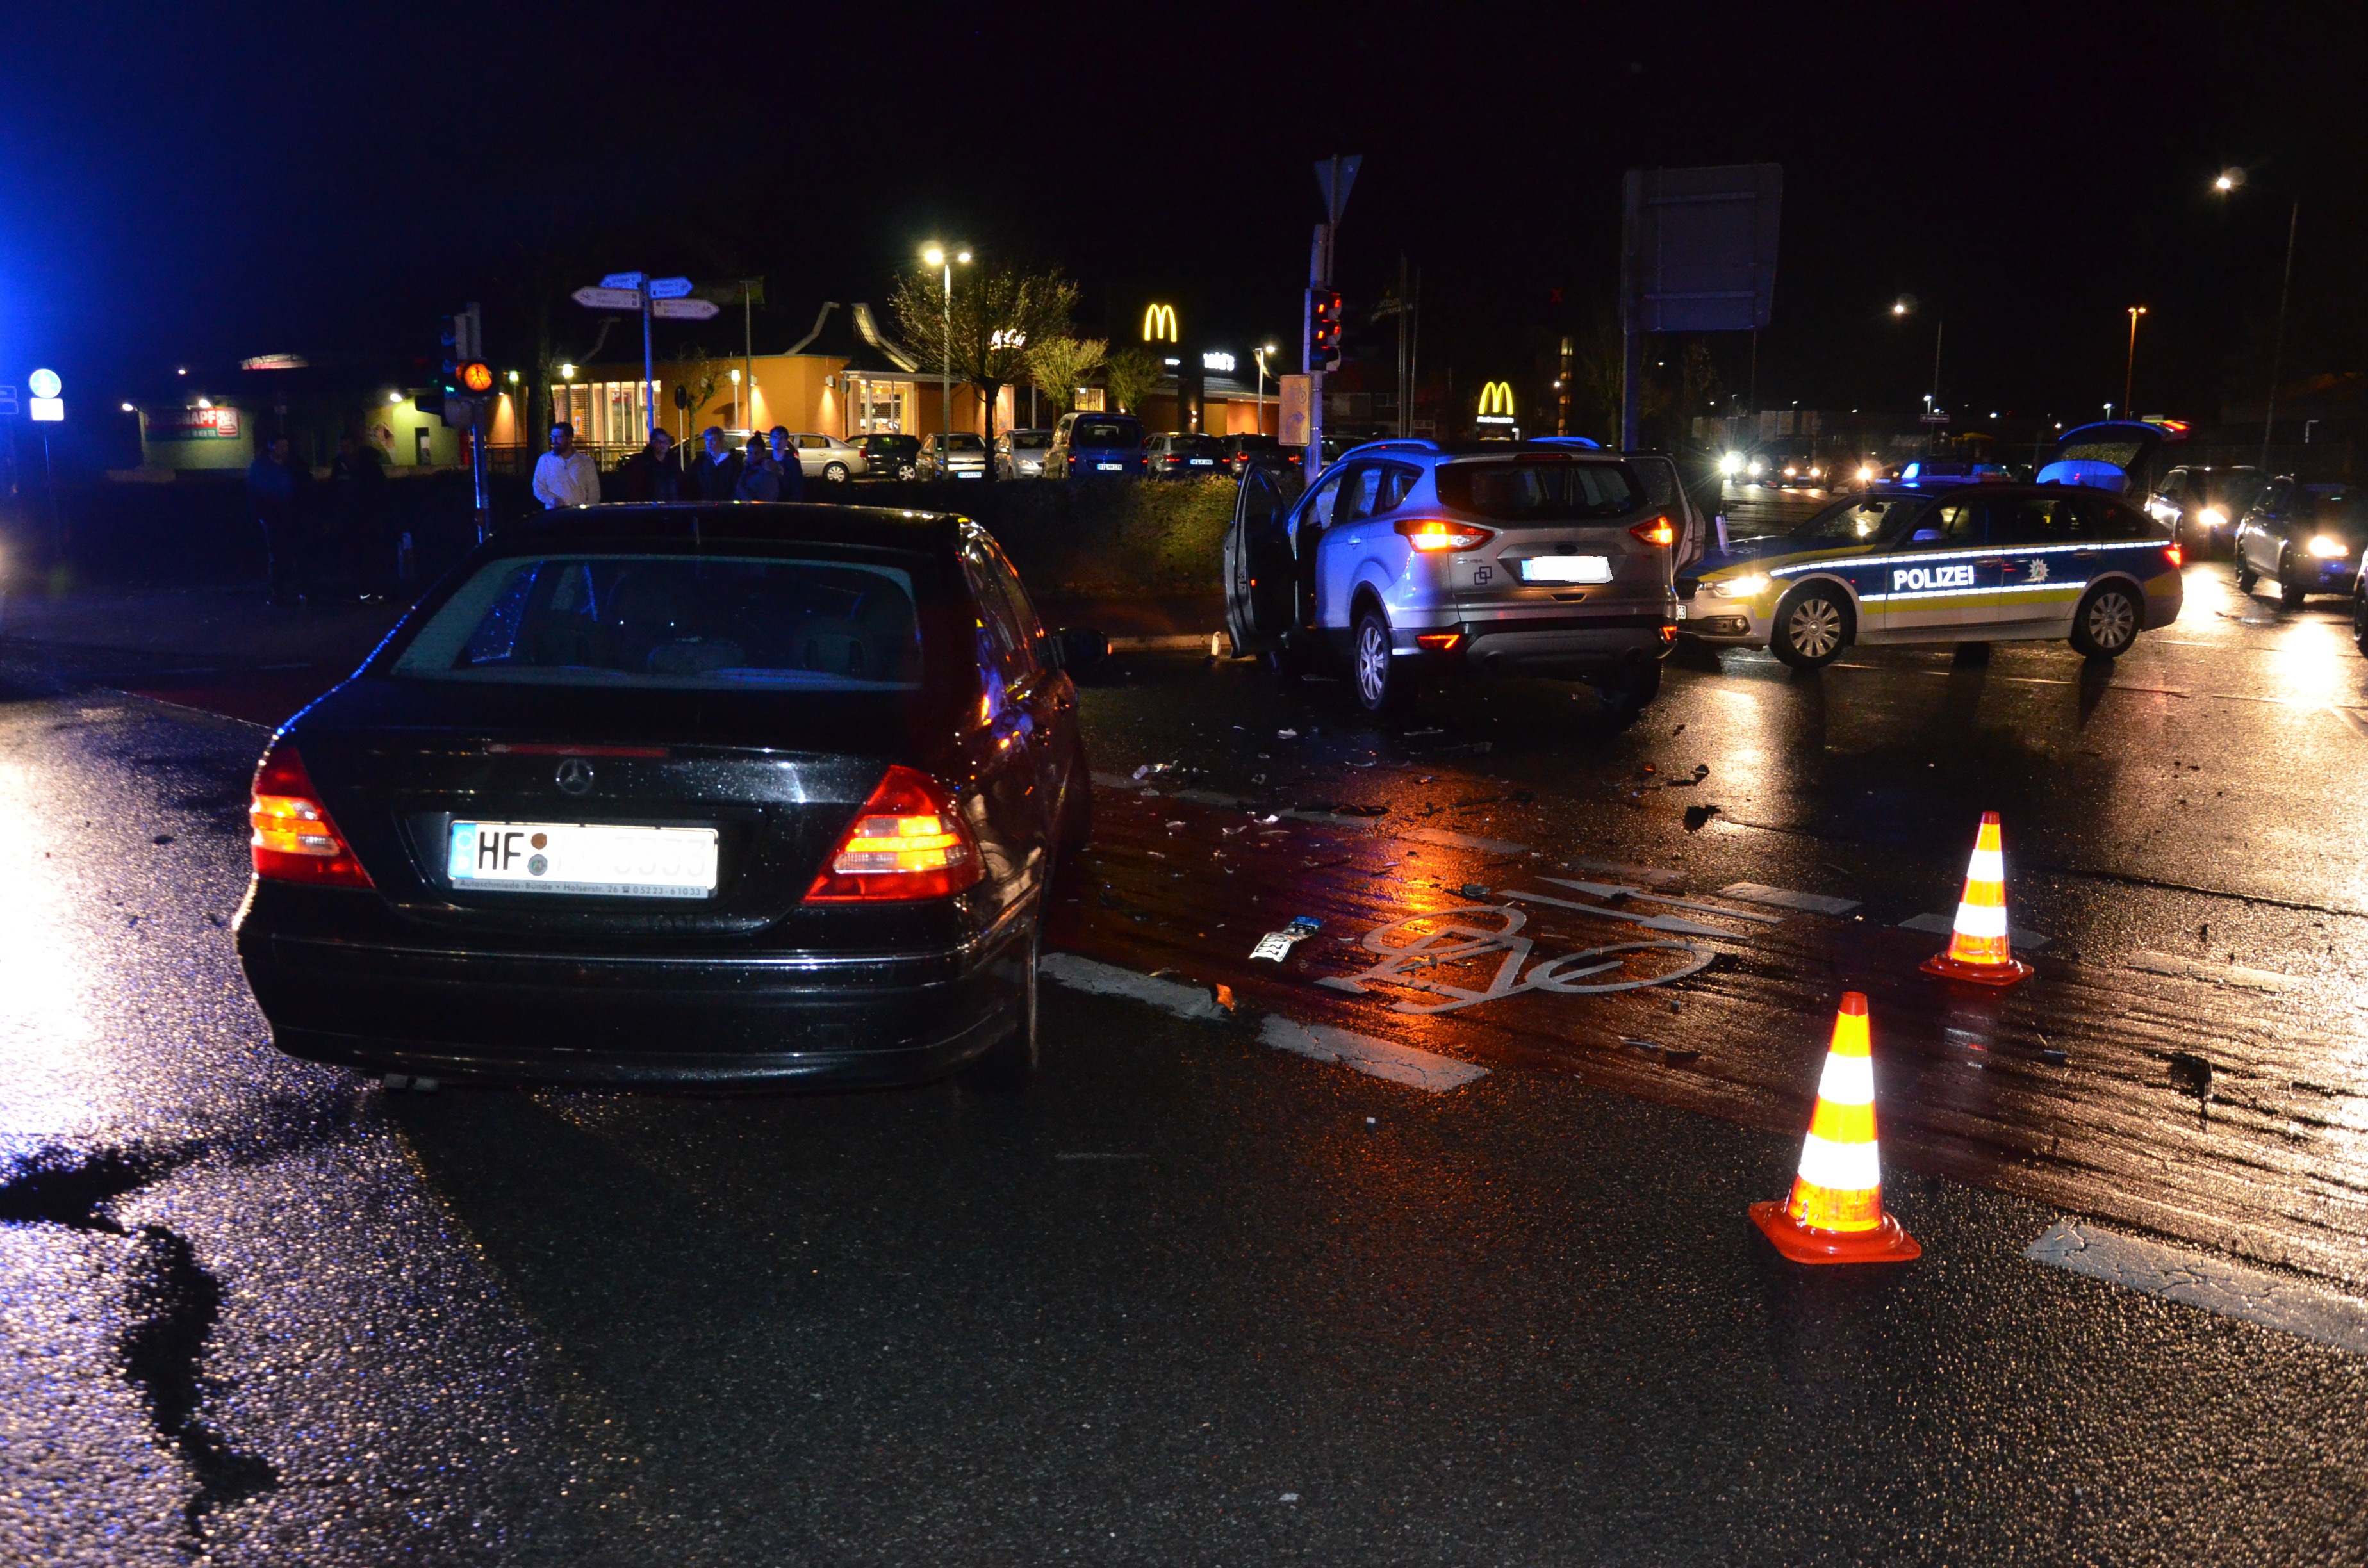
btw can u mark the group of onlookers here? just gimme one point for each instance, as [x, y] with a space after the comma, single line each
[314, 541]
[765, 469]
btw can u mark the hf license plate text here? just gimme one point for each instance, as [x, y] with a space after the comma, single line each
[583, 858]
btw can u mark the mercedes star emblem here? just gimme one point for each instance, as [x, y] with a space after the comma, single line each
[574, 775]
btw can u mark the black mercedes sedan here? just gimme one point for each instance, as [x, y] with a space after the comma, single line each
[735, 794]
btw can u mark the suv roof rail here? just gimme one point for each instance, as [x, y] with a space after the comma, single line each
[1390, 444]
[1566, 441]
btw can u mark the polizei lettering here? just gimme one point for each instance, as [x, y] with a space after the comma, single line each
[1914, 578]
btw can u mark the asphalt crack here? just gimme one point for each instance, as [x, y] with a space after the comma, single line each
[172, 1304]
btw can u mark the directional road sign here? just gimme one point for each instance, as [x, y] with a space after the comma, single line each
[622, 280]
[607, 299]
[683, 310]
[670, 288]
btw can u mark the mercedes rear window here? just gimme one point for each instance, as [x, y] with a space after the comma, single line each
[681, 622]
[1105, 433]
[1556, 490]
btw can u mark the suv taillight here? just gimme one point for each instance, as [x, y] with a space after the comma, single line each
[1432, 534]
[906, 843]
[1660, 531]
[295, 841]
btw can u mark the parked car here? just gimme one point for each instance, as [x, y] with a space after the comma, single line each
[1019, 454]
[1410, 561]
[827, 457]
[2306, 539]
[1173, 456]
[2201, 506]
[887, 456]
[1085, 445]
[959, 455]
[698, 795]
[1243, 452]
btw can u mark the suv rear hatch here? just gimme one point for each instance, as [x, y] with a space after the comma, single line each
[1563, 537]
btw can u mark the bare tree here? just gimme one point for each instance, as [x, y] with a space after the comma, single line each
[981, 335]
[1130, 374]
[1059, 366]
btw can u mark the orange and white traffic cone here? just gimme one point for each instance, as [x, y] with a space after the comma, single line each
[1978, 949]
[1835, 1214]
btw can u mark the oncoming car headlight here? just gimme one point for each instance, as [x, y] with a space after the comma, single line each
[2329, 548]
[2213, 517]
[1731, 464]
[1755, 468]
[1749, 587]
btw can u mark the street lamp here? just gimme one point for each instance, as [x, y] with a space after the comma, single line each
[1905, 305]
[2232, 179]
[935, 254]
[1259, 354]
[2130, 370]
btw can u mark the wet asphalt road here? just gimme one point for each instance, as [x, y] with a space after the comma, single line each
[1194, 1300]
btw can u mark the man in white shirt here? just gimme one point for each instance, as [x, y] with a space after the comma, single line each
[566, 475]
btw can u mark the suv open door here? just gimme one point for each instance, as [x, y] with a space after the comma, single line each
[1259, 566]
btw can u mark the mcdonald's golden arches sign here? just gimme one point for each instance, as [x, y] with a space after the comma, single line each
[1159, 323]
[1496, 403]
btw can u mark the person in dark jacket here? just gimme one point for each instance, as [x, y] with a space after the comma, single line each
[785, 455]
[716, 472]
[654, 474]
[357, 517]
[760, 476]
[278, 490]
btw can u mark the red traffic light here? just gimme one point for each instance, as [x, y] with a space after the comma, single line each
[476, 376]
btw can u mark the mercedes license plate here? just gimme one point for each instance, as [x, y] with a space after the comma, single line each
[1567, 568]
[583, 858]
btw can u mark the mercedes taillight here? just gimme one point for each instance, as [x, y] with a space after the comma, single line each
[906, 843]
[293, 840]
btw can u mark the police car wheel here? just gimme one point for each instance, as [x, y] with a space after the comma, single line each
[2106, 623]
[1384, 684]
[1813, 626]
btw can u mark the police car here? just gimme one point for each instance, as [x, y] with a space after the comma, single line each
[1976, 563]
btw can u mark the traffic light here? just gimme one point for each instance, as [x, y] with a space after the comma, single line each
[1324, 336]
[476, 377]
[465, 378]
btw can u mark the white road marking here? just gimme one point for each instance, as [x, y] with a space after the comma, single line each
[1382, 1058]
[1617, 889]
[1946, 925]
[2359, 726]
[1786, 898]
[1109, 980]
[2217, 974]
[2198, 1279]
[1650, 922]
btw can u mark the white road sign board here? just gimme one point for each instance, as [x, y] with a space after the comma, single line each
[607, 299]
[670, 288]
[684, 310]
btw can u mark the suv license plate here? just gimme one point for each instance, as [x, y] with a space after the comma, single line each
[583, 858]
[1567, 568]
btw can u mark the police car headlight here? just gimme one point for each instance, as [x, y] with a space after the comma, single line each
[1749, 587]
[2213, 517]
[2328, 549]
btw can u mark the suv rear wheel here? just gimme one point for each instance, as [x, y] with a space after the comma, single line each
[1813, 626]
[1384, 684]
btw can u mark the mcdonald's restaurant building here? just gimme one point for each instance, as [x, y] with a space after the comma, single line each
[844, 378]
[1207, 391]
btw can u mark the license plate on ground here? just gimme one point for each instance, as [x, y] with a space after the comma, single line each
[583, 858]
[1567, 568]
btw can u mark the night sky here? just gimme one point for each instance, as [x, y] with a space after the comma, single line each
[194, 184]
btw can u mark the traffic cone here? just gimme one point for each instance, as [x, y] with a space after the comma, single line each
[1977, 944]
[1835, 1214]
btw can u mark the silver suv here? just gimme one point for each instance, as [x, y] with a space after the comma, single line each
[1412, 560]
